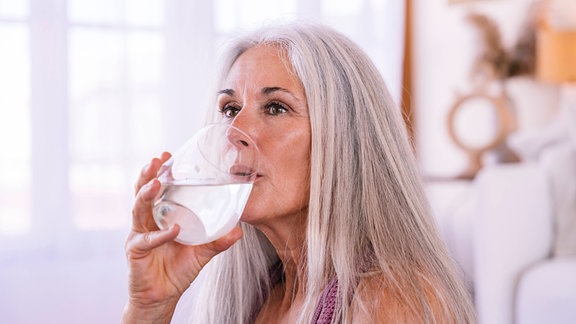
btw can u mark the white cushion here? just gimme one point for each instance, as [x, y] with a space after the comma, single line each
[560, 166]
[547, 293]
[513, 230]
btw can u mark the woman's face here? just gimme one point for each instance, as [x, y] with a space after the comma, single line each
[263, 97]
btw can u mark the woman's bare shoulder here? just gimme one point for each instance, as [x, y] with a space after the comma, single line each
[378, 299]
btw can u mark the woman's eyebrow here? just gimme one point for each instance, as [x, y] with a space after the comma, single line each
[269, 90]
[229, 92]
[265, 91]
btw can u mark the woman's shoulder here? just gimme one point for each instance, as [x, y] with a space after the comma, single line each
[378, 298]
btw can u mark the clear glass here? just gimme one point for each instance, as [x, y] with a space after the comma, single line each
[206, 184]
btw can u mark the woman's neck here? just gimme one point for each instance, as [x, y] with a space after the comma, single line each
[288, 238]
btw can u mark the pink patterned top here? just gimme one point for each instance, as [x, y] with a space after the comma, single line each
[326, 306]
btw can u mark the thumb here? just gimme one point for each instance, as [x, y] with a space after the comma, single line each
[223, 243]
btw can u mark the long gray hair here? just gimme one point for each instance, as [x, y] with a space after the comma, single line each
[367, 211]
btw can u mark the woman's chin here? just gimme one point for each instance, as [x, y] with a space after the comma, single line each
[247, 216]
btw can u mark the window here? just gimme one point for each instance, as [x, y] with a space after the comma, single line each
[15, 119]
[115, 64]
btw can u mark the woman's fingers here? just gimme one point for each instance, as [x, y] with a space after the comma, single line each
[150, 171]
[221, 244]
[141, 243]
[147, 187]
[227, 240]
[165, 156]
[142, 219]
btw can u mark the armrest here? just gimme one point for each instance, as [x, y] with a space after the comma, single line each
[514, 229]
[547, 293]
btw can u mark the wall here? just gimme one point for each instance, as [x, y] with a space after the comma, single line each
[445, 46]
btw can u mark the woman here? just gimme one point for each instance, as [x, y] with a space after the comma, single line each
[337, 228]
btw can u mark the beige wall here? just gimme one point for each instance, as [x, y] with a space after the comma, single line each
[445, 46]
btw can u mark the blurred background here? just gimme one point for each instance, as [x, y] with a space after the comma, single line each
[91, 90]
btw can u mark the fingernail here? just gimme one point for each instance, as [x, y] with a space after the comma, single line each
[147, 186]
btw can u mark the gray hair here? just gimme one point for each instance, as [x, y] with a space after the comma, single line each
[367, 210]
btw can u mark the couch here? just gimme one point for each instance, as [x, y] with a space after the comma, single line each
[503, 229]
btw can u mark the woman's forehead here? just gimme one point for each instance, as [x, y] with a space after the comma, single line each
[262, 66]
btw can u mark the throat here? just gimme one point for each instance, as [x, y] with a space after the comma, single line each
[282, 306]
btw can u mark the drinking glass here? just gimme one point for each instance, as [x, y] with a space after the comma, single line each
[206, 184]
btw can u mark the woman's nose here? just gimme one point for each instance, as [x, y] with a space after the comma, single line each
[239, 136]
[245, 128]
[246, 151]
[243, 142]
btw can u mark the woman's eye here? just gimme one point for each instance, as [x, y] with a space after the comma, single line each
[229, 111]
[275, 109]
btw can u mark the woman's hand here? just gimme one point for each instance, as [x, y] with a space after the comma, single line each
[160, 270]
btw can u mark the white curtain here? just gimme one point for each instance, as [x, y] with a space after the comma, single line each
[90, 90]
